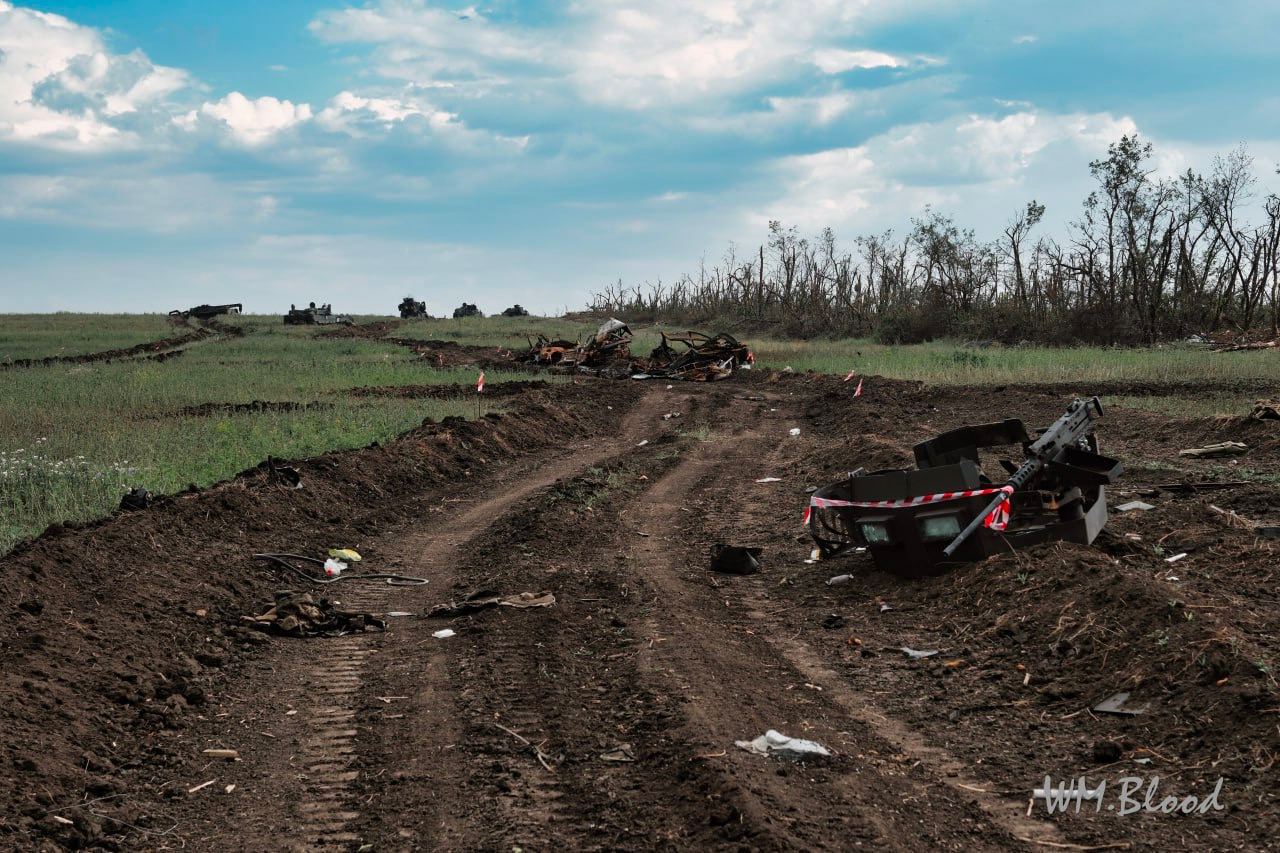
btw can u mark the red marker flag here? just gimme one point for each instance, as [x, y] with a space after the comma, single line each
[480, 383]
[857, 392]
[851, 373]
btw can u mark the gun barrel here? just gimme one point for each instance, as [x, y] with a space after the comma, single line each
[975, 524]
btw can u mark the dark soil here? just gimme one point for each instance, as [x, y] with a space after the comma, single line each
[123, 657]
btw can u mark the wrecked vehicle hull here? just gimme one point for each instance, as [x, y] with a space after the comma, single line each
[705, 358]
[919, 522]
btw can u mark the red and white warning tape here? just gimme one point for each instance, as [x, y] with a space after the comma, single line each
[998, 519]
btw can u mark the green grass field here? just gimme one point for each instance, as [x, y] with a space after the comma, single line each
[73, 437]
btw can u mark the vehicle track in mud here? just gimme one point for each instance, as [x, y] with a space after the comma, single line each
[493, 739]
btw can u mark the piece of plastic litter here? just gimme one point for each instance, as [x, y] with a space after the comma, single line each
[1132, 505]
[333, 568]
[445, 633]
[1175, 558]
[776, 743]
[839, 579]
[795, 431]
[916, 654]
[348, 554]
[769, 480]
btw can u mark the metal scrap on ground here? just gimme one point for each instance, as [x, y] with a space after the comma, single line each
[299, 615]
[704, 358]
[915, 521]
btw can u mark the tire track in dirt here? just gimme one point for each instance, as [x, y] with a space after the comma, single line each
[716, 647]
[410, 731]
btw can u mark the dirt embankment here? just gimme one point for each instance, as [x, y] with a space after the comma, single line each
[119, 632]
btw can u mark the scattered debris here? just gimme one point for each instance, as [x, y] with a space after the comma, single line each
[918, 521]
[669, 415]
[200, 787]
[1256, 345]
[839, 579]
[793, 431]
[333, 568]
[1266, 410]
[769, 480]
[619, 754]
[348, 554]
[444, 634]
[916, 654]
[299, 615]
[884, 606]
[735, 559]
[1176, 557]
[1116, 704]
[1132, 505]
[1216, 451]
[284, 474]
[484, 599]
[316, 316]
[137, 498]
[705, 357]
[229, 754]
[390, 578]
[833, 621]
[775, 743]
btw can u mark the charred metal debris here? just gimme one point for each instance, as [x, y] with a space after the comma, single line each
[695, 356]
[948, 509]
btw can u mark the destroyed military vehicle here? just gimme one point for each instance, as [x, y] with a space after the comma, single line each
[411, 309]
[205, 313]
[704, 358]
[948, 509]
[466, 309]
[315, 316]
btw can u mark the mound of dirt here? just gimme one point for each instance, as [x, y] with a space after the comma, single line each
[117, 631]
[454, 354]
[204, 410]
[369, 331]
[449, 392]
[153, 349]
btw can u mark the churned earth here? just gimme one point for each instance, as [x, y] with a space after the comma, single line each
[608, 720]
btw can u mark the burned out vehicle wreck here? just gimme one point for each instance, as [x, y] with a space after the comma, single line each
[948, 509]
[704, 358]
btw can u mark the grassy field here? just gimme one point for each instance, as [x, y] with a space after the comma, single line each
[73, 437]
[43, 335]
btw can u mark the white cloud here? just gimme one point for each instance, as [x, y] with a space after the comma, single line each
[1028, 38]
[974, 160]
[60, 86]
[834, 60]
[355, 115]
[248, 121]
[619, 52]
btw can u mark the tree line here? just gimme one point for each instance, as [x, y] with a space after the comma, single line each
[1149, 259]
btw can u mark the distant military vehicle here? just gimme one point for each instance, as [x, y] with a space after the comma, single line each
[413, 310]
[315, 316]
[205, 313]
[466, 309]
[516, 310]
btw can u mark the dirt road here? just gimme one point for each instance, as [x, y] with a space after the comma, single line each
[608, 721]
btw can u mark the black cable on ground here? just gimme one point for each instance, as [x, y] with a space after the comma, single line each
[393, 580]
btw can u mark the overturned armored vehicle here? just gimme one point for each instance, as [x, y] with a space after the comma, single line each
[916, 522]
[204, 313]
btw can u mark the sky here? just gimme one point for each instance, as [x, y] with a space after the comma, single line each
[156, 155]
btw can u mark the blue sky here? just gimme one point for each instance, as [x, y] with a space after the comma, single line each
[155, 155]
